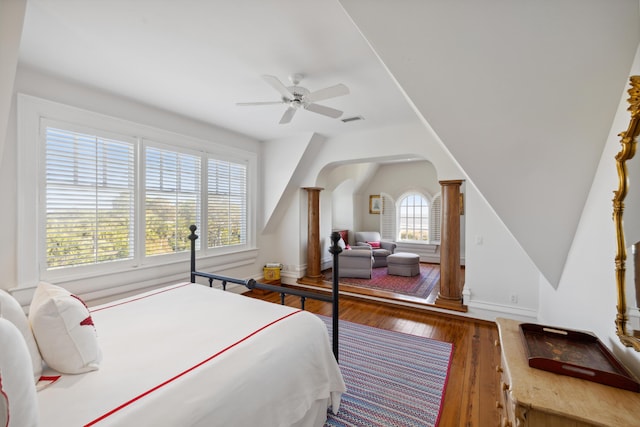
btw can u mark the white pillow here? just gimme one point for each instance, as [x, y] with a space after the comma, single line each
[18, 404]
[11, 310]
[64, 330]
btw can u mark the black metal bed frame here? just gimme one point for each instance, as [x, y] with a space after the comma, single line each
[282, 290]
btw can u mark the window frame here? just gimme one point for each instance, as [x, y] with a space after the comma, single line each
[231, 195]
[398, 207]
[142, 193]
[42, 218]
[32, 111]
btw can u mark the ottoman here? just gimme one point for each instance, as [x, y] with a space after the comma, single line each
[403, 264]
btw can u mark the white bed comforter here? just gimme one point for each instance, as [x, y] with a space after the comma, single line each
[189, 355]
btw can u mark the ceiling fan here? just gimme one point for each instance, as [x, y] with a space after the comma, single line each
[297, 97]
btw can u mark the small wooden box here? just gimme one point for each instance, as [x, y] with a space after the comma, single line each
[271, 273]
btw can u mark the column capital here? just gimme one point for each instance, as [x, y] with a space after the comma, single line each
[452, 182]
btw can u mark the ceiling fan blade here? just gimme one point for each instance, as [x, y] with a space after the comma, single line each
[325, 111]
[288, 115]
[277, 85]
[326, 93]
[244, 104]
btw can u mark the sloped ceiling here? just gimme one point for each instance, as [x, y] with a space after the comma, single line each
[522, 93]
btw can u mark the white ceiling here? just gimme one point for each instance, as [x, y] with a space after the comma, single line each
[199, 58]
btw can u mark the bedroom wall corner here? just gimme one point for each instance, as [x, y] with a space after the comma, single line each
[11, 21]
[8, 215]
[588, 284]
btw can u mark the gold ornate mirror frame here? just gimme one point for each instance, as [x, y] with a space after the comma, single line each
[628, 142]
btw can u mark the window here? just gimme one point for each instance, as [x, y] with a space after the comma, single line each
[172, 200]
[100, 196]
[413, 218]
[89, 198]
[227, 209]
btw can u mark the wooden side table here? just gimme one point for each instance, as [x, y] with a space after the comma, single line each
[534, 397]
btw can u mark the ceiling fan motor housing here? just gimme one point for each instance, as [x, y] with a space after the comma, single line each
[298, 93]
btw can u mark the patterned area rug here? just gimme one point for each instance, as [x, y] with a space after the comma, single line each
[393, 379]
[417, 286]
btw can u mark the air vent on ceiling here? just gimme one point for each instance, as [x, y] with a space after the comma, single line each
[352, 119]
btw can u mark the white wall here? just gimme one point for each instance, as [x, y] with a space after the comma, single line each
[286, 160]
[395, 179]
[586, 296]
[11, 20]
[342, 215]
[420, 176]
[497, 267]
[501, 268]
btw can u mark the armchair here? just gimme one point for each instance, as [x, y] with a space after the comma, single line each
[381, 250]
[355, 262]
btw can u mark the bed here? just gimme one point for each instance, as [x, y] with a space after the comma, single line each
[182, 355]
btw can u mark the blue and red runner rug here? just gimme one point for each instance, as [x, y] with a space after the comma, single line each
[392, 378]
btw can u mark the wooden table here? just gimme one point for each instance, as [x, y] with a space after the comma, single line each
[534, 397]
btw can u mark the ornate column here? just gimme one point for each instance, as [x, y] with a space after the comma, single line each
[314, 270]
[450, 294]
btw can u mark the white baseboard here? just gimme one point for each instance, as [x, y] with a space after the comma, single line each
[490, 311]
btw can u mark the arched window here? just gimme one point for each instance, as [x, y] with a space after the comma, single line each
[413, 218]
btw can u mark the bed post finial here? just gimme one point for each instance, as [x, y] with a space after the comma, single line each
[193, 237]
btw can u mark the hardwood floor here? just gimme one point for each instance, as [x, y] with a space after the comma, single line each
[472, 388]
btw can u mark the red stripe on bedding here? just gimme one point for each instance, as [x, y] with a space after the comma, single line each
[208, 359]
[142, 297]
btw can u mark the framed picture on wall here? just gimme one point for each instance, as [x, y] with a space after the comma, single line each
[375, 204]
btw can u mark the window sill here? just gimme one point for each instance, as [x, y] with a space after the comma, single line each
[424, 247]
[100, 284]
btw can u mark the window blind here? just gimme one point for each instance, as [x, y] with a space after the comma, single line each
[172, 200]
[227, 203]
[388, 219]
[436, 218]
[89, 198]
